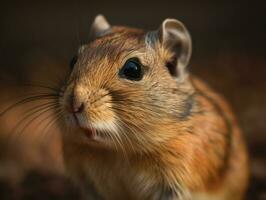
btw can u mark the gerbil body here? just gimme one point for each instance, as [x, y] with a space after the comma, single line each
[157, 134]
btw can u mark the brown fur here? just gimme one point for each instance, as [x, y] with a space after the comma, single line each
[174, 140]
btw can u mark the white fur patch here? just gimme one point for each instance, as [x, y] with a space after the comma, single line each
[109, 126]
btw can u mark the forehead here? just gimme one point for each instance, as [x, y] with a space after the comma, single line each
[119, 41]
[105, 54]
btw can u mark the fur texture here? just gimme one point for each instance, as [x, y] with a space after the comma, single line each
[163, 137]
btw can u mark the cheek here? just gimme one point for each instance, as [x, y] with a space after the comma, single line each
[100, 111]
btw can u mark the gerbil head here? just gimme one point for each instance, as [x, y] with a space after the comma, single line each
[128, 87]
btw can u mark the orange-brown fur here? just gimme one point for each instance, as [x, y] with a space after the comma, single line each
[178, 136]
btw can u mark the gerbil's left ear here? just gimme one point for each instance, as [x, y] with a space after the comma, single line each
[99, 27]
[174, 36]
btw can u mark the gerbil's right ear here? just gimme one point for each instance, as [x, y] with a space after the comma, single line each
[99, 27]
[174, 36]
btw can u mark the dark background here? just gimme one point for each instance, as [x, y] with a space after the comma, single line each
[38, 38]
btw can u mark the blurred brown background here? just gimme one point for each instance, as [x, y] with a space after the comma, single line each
[38, 38]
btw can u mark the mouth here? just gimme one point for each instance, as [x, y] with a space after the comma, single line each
[89, 132]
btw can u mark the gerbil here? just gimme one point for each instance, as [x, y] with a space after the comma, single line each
[138, 125]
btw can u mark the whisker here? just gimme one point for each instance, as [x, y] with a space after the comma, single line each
[35, 93]
[121, 144]
[136, 103]
[34, 118]
[122, 131]
[18, 133]
[54, 119]
[27, 100]
[32, 111]
[42, 86]
[113, 140]
[118, 140]
[132, 129]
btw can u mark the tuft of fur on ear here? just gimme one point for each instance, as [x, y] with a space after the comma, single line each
[174, 36]
[99, 27]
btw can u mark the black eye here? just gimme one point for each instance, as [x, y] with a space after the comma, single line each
[132, 70]
[73, 62]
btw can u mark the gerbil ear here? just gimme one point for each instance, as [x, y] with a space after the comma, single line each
[99, 27]
[173, 35]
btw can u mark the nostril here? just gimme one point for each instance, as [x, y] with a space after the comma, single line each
[78, 108]
[74, 106]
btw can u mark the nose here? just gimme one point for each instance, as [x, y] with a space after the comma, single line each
[75, 106]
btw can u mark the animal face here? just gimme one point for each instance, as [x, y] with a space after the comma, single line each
[123, 89]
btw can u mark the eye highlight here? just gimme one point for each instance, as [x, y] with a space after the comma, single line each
[132, 70]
